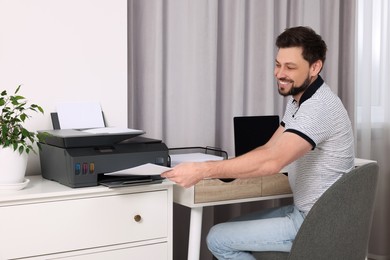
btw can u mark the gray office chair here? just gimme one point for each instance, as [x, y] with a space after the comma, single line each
[338, 225]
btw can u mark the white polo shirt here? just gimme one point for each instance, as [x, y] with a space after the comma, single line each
[321, 119]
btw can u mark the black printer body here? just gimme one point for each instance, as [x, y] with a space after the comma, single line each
[78, 159]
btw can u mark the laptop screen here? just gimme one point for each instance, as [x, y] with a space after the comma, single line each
[251, 132]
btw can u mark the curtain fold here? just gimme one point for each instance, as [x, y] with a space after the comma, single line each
[195, 64]
[372, 116]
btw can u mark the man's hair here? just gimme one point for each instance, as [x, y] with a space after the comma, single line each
[313, 47]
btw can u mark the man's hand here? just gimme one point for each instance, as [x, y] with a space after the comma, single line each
[186, 174]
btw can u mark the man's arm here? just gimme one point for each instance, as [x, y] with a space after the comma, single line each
[282, 149]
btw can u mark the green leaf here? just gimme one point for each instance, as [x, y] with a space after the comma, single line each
[23, 117]
[37, 107]
[4, 130]
[15, 100]
[31, 137]
[25, 133]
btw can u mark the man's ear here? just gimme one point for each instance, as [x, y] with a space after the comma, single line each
[315, 68]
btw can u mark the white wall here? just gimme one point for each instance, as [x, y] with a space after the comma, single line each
[65, 50]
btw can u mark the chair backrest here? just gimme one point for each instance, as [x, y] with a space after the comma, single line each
[338, 225]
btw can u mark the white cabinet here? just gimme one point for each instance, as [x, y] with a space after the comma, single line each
[47, 220]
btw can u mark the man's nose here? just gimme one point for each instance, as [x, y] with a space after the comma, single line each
[279, 73]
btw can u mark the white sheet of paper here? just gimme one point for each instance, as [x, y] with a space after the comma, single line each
[113, 130]
[142, 170]
[80, 115]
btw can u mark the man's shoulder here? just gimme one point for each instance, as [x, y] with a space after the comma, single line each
[325, 96]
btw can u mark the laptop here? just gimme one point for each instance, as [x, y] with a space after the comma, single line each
[251, 132]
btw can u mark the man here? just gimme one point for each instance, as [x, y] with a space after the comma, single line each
[314, 139]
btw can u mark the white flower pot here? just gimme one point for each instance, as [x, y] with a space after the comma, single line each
[13, 166]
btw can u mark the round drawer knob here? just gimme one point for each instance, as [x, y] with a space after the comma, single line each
[137, 218]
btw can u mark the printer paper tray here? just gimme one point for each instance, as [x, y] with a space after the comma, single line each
[131, 181]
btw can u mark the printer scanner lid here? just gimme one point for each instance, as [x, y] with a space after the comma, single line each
[72, 138]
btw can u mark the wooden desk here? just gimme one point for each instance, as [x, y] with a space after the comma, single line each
[214, 192]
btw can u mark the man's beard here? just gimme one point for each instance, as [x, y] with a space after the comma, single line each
[296, 90]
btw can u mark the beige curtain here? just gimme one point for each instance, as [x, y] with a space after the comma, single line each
[373, 117]
[195, 64]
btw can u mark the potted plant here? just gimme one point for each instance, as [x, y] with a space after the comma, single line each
[16, 142]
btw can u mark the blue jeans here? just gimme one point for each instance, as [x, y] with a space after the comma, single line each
[268, 230]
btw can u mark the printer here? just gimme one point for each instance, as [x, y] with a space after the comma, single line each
[80, 157]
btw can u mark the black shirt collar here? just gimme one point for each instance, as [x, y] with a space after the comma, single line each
[309, 92]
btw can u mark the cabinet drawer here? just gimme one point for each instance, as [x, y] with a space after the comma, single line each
[154, 251]
[82, 223]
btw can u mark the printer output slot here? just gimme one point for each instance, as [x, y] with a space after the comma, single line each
[120, 181]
